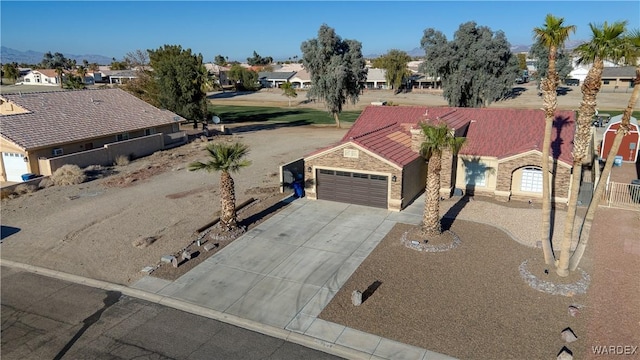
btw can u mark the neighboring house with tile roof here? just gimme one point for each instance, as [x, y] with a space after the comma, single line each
[46, 77]
[377, 162]
[376, 79]
[274, 79]
[301, 79]
[84, 127]
[618, 78]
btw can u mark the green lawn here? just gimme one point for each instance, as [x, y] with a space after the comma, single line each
[635, 114]
[241, 114]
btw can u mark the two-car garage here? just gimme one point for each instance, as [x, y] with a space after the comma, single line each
[352, 187]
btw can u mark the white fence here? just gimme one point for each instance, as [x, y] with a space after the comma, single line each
[621, 195]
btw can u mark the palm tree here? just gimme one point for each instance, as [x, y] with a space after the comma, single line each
[631, 53]
[289, 91]
[226, 158]
[605, 44]
[82, 72]
[436, 140]
[552, 35]
[59, 72]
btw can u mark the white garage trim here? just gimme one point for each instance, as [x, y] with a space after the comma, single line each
[14, 166]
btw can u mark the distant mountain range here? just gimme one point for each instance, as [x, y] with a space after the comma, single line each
[8, 55]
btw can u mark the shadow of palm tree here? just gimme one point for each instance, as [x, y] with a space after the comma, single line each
[556, 150]
[249, 221]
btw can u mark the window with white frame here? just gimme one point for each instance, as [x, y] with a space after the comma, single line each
[350, 153]
[531, 180]
[150, 131]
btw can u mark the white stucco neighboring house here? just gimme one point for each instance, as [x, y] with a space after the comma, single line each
[45, 77]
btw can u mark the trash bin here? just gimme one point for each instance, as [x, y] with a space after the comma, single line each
[26, 177]
[617, 161]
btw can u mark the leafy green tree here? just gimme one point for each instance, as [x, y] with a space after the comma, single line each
[53, 61]
[522, 61]
[11, 71]
[72, 82]
[540, 53]
[220, 60]
[256, 59]
[437, 139]
[394, 63]
[289, 91]
[337, 69]
[226, 159]
[243, 78]
[476, 67]
[179, 76]
[552, 35]
[119, 65]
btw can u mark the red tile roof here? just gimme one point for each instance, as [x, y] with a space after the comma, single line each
[385, 130]
[505, 132]
[60, 117]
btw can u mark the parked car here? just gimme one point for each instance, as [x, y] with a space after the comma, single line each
[572, 82]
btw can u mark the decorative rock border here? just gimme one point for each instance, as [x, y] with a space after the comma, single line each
[421, 246]
[578, 287]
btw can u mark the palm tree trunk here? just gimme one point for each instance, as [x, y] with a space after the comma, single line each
[228, 217]
[549, 85]
[590, 89]
[337, 118]
[431, 216]
[597, 194]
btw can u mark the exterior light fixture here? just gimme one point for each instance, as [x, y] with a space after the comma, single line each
[309, 169]
[394, 178]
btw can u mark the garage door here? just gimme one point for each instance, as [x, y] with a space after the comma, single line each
[14, 166]
[352, 187]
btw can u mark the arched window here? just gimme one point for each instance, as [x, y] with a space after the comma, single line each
[531, 180]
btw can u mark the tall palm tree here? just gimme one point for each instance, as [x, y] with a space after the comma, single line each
[606, 44]
[631, 55]
[59, 72]
[226, 158]
[437, 139]
[82, 73]
[552, 35]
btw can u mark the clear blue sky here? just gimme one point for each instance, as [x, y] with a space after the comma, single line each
[235, 29]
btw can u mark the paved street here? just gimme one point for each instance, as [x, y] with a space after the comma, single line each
[46, 318]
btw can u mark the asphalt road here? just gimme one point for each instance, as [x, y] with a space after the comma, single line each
[45, 318]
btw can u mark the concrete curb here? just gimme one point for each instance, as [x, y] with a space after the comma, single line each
[286, 335]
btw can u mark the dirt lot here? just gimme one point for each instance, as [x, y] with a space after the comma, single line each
[90, 229]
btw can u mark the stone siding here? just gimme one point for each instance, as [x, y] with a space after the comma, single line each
[506, 169]
[366, 163]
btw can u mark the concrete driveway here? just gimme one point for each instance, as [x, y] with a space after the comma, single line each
[289, 266]
[286, 270]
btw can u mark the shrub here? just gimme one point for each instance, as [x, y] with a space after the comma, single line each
[68, 175]
[122, 160]
[25, 189]
[45, 183]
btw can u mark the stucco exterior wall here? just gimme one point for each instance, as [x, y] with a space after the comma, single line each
[414, 180]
